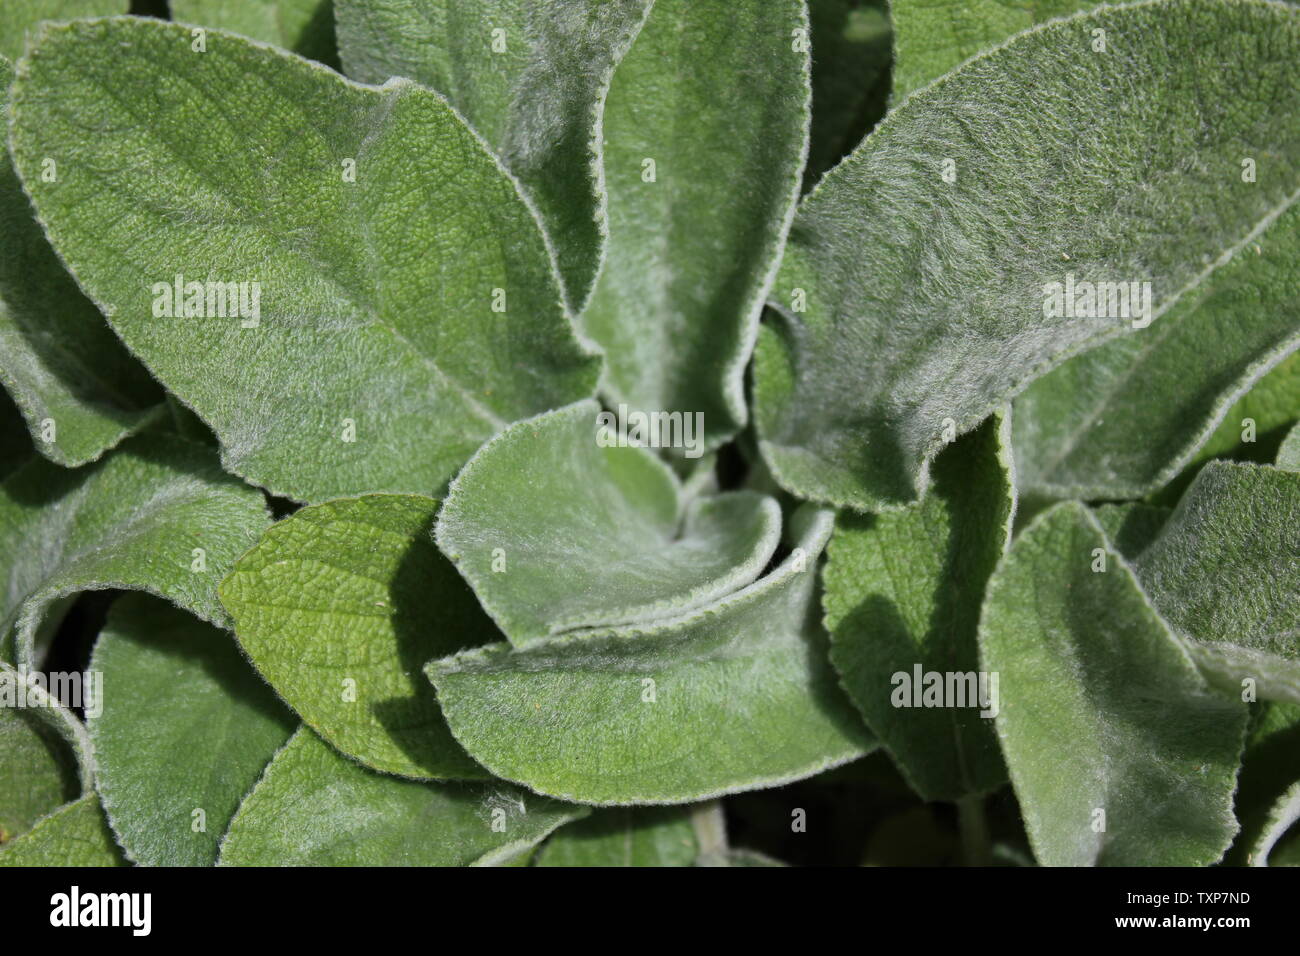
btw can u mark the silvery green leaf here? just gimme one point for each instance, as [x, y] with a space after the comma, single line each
[76, 834]
[1131, 525]
[624, 836]
[1120, 752]
[37, 770]
[902, 597]
[303, 26]
[531, 76]
[732, 696]
[1123, 419]
[78, 388]
[339, 607]
[19, 16]
[921, 283]
[1225, 573]
[156, 515]
[1288, 456]
[42, 699]
[557, 530]
[314, 807]
[406, 307]
[185, 730]
[932, 37]
[1260, 419]
[1268, 788]
[705, 130]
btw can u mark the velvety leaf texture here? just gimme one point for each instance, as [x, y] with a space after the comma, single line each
[1264, 413]
[932, 37]
[19, 16]
[624, 836]
[921, 283]
[313, 807]
[78, 388]
[37, 771]
[706, 129]
[731, 696]
[40, 704]
[1120, 752]
[339, 607]
[1225, 572]
[1122, 419]
[531, 76]
[1288, 456]
[1268, 789]
[186, 730]
[73, 835]
[406, 307]
[157, 515]
[903, 595]
[544, 560]
[303, 26]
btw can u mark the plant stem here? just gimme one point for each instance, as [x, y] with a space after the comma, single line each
[974, 831]
[710, 829]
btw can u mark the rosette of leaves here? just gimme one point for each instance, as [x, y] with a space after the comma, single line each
[326, 327]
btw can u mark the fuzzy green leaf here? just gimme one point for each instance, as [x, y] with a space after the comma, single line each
[1225, 573]
[544, 560]
[924, 302]
[37, 770]
[717, 97]
[934, 36]
[903, 590]
[731, 696]
[186, 726]
[1268, 790]
[303, 26]
[1121, 420]
[1121, 754]
[377, 362]
[79, 390]
[339, 607]
[1288, 456]
[530, 76]
[73, 835]
[19, 16]
[156, 515]
[624, 836]
[314, 807]
[1260, 418]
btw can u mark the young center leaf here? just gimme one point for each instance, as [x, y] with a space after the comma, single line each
[37, 770]
[932, 37]
[706, 129]
[624, 836]
[1121, 420]
[556, 530]
[393, 300]
[339, 607]
[79, 389]
[156, 515]
[314, 807]
[185, 731]
[531, 77]
[1120, 752]
[1225, 573]
[945, 264]
[731, 696]
[902, 596]
[76, 834]
[303, 26]
[19, 16]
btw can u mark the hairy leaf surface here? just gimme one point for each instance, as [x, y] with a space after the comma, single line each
[731, 696]
[303, 26]
[339, 607]
[381, 231]
[314, 807]
[913, 297]
[19, 16]
[544, 560]
[73, 835]
[624, 836]
[186, 730]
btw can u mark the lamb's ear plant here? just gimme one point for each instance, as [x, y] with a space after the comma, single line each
[573, 416]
